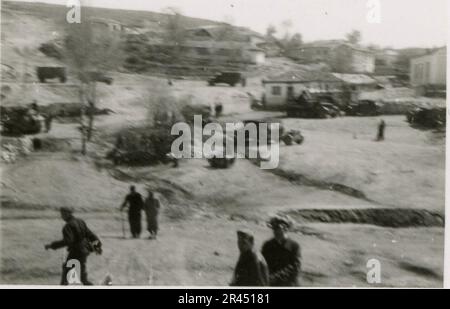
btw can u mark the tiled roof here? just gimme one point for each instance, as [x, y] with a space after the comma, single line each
[334, 44]
[431, 52]
[302, 76]
[356, 79]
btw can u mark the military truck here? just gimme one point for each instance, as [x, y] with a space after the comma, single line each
[363, 108]
[230, 78]
[44, 73]
[427, 117]
[18, 120]
[308, 106]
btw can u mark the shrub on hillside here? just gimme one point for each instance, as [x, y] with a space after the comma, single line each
[51, 50]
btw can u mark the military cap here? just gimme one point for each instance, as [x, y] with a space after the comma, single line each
[67, 210]
[243, 233]
[278, 220]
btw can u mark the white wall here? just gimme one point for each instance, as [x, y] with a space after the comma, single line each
[437, 63]
[254, 57]
[363, 62]
[313, 87]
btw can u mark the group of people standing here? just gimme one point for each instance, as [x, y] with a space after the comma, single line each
[136, 204]
[280, 263]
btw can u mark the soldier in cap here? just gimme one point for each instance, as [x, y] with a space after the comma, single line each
[80, 242]
[251, 269]
[282, 254]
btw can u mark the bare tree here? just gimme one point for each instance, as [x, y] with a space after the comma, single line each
[354, 37]
[271, 30]
[174, 32]
[86, 51]
[225, 33]
[287, 25]
[296, 41]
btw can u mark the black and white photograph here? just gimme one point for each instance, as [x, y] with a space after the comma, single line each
[224, 144]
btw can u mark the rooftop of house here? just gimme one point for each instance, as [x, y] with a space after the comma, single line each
[210, 44]
[218, 31]
[355, 79]
[301, 76]
[387, 94]
[432, 52]
[271, 40]
[330, 44]
[104, 21]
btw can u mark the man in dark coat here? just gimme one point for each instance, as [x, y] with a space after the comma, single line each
[282, 254]
[135, 205]
[381, 128]
[80, 242]
[251, 269]
[152, 206]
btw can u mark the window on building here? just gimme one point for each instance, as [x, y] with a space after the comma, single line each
[276, 90]
[416, 72]
[421, 67]
[290, 91]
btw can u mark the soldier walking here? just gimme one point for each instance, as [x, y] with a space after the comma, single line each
[282, 254]
[381, 128]
[80, 242]
[251, 269]
[135, 204]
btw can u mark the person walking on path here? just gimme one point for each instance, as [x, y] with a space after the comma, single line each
[152, 206]
[135, 205]
[80, 242]
[381, 128]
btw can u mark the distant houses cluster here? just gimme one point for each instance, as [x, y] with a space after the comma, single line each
[354, 67]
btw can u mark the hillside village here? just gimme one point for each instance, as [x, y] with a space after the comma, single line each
[94, 133]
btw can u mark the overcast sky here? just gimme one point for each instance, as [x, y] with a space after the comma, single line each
[404, 23]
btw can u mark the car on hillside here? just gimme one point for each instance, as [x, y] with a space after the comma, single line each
[230, 78]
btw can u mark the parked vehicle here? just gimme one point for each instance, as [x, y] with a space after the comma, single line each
[291, 137]
[312, 109]
[363, 108]
[331, 109]
[17, 120]
[308, 106]
[257, 122]
[44, 73]
[230, 78]
[427, 117]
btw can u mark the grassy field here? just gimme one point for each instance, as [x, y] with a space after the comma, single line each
[202, 208]
[207, 253]
[405, 170]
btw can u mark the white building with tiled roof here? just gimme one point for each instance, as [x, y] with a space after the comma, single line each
[278, 89]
